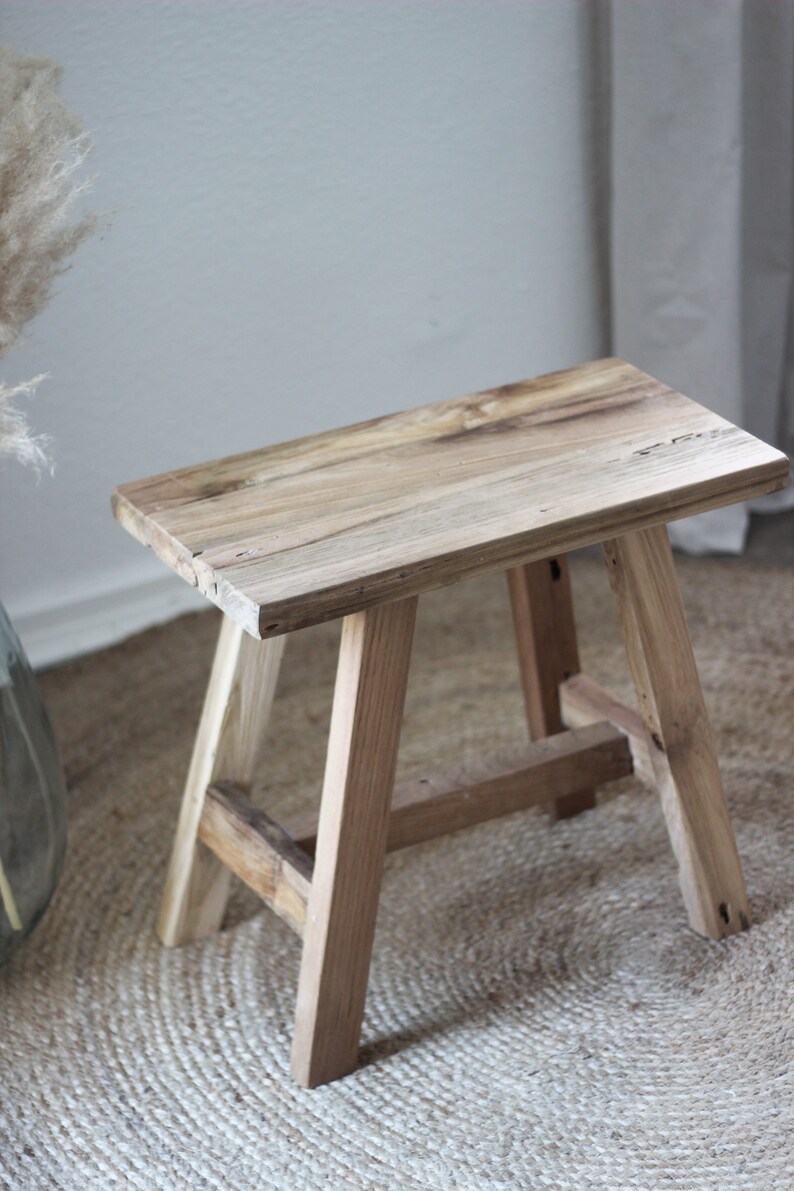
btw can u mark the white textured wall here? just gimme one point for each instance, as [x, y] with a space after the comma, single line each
[321, 212]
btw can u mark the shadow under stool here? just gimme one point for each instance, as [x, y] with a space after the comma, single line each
[356, 524]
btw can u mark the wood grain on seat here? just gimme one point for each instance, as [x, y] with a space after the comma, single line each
[314, 529]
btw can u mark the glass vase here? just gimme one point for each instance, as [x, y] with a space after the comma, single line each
[32, 797]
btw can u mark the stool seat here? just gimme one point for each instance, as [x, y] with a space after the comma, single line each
[311, 530]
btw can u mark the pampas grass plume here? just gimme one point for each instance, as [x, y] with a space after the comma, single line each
[42, 148]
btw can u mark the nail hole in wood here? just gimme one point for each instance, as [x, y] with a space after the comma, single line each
[555, 569]
[725, 913]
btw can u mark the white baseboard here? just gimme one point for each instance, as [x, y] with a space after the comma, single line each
[80, 627]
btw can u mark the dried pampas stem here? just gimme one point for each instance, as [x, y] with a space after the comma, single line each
[16, 437]
[42, 147]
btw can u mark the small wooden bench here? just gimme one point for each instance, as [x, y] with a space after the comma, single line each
[359, 522]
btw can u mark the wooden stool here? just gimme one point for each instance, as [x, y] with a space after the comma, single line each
[356, 524]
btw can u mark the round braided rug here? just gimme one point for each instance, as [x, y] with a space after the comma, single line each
[539, 1014]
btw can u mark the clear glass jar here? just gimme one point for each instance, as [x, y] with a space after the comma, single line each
[32, 797]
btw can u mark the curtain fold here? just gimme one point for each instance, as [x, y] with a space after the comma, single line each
[701, 219]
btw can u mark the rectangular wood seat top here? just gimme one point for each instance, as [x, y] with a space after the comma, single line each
[310, 530]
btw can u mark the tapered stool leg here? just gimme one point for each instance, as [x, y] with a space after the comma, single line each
[680, 741]
[542, 607]
[351, 840]
[228, 743]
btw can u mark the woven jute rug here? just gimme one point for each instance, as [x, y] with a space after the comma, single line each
[539, 1013]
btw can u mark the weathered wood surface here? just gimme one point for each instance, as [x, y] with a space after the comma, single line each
[228, 745]
[542, 607]
[680, 742]
[351, 840]
[310, 530]
[584, 701]
[487, 788]
[258, 850]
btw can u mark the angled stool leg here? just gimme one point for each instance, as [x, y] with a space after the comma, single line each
[680, 741]
[230, 735]
[540, 599]
[351, 840]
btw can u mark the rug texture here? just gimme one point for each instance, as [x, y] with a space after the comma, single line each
[539, 1013]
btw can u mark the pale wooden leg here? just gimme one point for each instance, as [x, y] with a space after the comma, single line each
[230, 735]
[351, 840]
[680, 741]
[540, 598]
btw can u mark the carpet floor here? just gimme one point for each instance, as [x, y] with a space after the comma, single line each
[539, 1013]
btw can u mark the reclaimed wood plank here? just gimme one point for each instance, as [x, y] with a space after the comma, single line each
[680, 742]
[312, 530]
[228, 745]
[258, 850]
[354, 815]
[490, 787]
[545, 628]
[584, 701]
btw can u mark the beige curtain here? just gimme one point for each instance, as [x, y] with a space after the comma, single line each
[701, 212]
